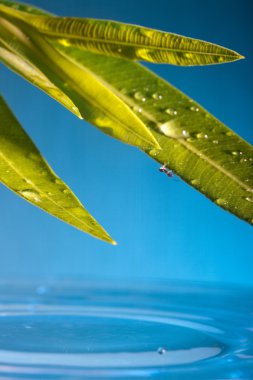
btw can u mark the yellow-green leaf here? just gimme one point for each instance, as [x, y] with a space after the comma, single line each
[24, 171]
[195, 145]
[93, 99]
[130, 41]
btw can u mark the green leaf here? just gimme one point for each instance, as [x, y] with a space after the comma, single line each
[130, 41]
[28, 53]
[24, 171]
[195, 145]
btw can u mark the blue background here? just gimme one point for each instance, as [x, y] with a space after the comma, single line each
[165, 229]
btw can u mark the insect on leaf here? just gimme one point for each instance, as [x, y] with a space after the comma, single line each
[195, 145]
[24, 171]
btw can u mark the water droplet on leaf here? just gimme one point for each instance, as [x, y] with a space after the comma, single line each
[137, 109]
[31, 195]
[202, 135]
[195, 182]
[171, 111]
[221, 202]
[157, 96]
[194, 108]
[139, 96]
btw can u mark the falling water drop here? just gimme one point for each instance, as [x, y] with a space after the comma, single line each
[161, 351]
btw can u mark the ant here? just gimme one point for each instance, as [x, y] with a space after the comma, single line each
[165, 170]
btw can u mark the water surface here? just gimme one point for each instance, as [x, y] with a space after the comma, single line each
[121, 331]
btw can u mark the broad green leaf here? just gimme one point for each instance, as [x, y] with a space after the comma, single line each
[71, 84]
[24, 171]
[130, 41]
[195, 145]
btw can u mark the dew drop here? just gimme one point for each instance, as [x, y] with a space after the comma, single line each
[161, 351]
[173, 129]
[229, 133]
[139, 96]
[157, 96]
[154, 152]
[171, 111]
[58, 181]
[185, 133]
[242, 160]
[137, 109]
[195, 182]
[7, 171]
[190, 139]
[66, 191]
[119, 50]
[215, 142]
[221, 202]
[249, 199]
[194, 109]
[202, 135]
[31, 195]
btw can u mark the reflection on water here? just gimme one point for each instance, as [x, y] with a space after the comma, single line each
[122, 331]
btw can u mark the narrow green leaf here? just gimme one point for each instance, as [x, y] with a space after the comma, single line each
[92, 98]
[130, 41]
[195, 145]
[34, 75]
[24, 171]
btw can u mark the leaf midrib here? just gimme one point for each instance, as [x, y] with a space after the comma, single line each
[135, 45]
